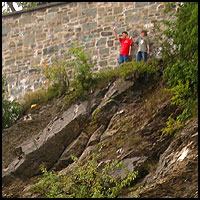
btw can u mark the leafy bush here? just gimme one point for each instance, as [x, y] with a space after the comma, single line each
[86, 181]
[179, 43]
[11, 110]
[57, 75]
[172, 128]
[82, 67]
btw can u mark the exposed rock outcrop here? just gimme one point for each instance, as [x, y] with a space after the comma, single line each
[123, 121]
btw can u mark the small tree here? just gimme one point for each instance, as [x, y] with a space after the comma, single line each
[11, 110]
[179, 43]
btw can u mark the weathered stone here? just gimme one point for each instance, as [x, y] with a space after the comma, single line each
[9, 62]
[75, 148]
[50, 17]
[118, 10]
[91, 12]
[58, 134]
[50, 50]
[110, 43]
[95, 138]
[12, 44]
[141, 4]
[109, 19]
[104, 51]
[88, 151]
[25, 20]
[102, 41]
[106, 33]
[103, 63]
[5, 30]
[28, 40]
[89, 26]
[91, 44]
[128, 12]
[129, 165]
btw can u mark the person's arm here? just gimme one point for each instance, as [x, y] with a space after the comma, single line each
[131, 43]
[148, 52]
[116, 36]
[129, 54]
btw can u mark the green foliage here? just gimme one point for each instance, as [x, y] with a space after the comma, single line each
[179, 43]
[85, 181]
[129, 69]
[172, 128]
[82, 67]
[57, 74]
[11, 110]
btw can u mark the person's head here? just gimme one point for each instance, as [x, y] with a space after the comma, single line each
[124, 34]
[143, 33]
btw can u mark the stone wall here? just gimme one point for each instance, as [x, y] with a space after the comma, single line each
[36, 35]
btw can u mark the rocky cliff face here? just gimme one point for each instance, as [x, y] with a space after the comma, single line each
[122, 121]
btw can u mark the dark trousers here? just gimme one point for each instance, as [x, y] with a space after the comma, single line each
[141, 55]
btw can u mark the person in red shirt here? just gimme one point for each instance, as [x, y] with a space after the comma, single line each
[126, 44]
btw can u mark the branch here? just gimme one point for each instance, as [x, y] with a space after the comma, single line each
[10, 4]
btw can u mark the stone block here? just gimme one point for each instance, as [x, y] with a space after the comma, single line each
[50, 17]
[25, 20]
[109, 19]
[133, 18]
[89, 26]
[58, 29]
[102, 41]
[12, 44]
[35, 61]
[107, 28]
[129, 12]
[41, 36]
[91, 12]
[104, 51]
[91, 44]
[106, 33]
[103, 63]
[5, 30]
[50, 50]
[118, 10]
[9, 62]
[110, 43]
[140, 4]
[29, 39]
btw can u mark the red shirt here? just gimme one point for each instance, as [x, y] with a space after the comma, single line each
[125, 45]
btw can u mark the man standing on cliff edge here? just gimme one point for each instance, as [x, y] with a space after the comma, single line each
[125, 46]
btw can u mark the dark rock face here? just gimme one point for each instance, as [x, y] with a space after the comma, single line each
[120, 123]
[46, 147]
[75, 149]
[177, 160]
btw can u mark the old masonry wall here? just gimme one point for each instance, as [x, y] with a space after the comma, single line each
[33, 36]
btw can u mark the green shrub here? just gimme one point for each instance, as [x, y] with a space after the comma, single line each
[85, 181]
[82, 67]
[179, 42]
[173, 127]
[11, 110]
[57, 75]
